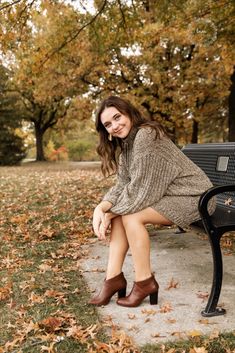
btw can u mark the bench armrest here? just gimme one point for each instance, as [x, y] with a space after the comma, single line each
[205, 198]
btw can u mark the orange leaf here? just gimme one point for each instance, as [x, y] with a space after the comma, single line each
[51, 324]
[166, 308]
[172, 284]
[194, 333]
[149, 311]
[131, 316]
[171, 321]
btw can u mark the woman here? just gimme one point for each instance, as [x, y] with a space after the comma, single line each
[156, 184]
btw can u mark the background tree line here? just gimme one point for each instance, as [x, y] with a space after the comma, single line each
[174, 60]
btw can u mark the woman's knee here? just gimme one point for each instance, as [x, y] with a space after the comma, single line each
[146, 216]
[132, 220]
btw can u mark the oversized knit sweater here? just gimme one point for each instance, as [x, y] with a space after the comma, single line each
[155, 173]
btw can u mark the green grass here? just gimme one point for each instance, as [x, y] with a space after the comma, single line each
[224, 343]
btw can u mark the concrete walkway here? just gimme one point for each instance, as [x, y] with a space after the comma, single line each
[183, 268]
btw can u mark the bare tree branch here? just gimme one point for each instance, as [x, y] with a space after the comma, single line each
[122, 12]
[9, 5]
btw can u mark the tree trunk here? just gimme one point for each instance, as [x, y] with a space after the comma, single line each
[194, 138]
[39, 143]
[231, 113]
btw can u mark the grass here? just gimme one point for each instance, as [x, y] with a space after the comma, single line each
[44, 221]
[223, 343]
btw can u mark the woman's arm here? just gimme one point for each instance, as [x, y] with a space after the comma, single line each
[102, 218]
[151, 174]
[122, 179]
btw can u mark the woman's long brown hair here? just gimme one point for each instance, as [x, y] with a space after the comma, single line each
[110, 150]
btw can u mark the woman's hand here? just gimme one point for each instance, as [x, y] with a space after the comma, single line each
[101, 221]
[98, 222]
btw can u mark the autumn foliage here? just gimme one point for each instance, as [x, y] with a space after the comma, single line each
[174, 61]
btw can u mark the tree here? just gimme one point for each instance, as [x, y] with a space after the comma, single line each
[12, 149]
[181, 75]
[48, 69]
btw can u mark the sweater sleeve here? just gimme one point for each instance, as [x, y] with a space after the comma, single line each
[151, 174]
[122, 179]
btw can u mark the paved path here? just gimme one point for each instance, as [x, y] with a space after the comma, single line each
[182, 261]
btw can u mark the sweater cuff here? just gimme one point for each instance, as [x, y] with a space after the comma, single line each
[109, 198]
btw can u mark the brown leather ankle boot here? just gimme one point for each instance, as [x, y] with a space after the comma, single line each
[110, 287]
[140, 291]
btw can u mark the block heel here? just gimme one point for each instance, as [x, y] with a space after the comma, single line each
[122, 293]
[140, 291]
[111, 286]
[153, 298]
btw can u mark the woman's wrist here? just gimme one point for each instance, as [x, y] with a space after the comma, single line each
[110, 215]
[105, 206]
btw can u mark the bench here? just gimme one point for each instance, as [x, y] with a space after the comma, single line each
[217, 160]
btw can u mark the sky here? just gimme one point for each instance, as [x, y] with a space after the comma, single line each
[83, 5]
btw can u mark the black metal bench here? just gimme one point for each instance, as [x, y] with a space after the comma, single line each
[218, 162]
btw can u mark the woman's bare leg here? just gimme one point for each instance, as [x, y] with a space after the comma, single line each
[118, 248]
[138, 239]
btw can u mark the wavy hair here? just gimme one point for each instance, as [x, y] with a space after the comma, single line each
[109, 150]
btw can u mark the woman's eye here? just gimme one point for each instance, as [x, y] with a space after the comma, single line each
[117, 117]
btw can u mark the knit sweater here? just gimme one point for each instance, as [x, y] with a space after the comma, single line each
[155, 173]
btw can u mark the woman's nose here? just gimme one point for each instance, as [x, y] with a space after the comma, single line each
[115, 126]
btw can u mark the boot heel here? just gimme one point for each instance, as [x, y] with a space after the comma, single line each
[153, 298]
[121, 293]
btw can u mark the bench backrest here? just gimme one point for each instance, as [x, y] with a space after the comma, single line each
[217, 160]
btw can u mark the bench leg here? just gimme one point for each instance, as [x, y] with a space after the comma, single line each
[211, 308]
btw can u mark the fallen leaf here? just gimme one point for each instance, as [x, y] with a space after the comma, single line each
[131, 316]
[157, 335]
[5, 291]
[44, 267]
[96, 270]
[199, 350]
[177, 334]
[228, 201]
[166, 308]
[172, 284]
[171, 321]
[82, 334]
[214, 334]
[36, 299]
[49, 349]
[147, 320]
[194, 333]
[51, 324]
[31, 326]
[148, 311]
[134, 328]
[204, 321]
[203, 295]
[23, 218]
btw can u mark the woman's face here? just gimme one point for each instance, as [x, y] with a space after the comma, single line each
[116, 124]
